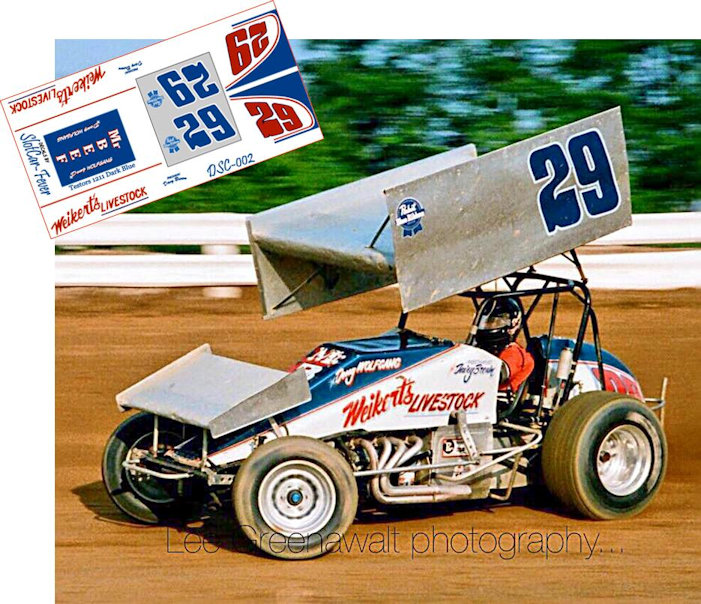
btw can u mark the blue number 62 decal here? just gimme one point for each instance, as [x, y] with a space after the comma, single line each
[595, 189]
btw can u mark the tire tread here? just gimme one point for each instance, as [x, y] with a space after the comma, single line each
[562, 446]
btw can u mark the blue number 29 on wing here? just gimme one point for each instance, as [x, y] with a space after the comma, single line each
[596, 187]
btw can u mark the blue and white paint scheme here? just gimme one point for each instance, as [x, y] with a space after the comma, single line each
[406, 381]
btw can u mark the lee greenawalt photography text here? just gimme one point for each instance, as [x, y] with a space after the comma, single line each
[390, 540]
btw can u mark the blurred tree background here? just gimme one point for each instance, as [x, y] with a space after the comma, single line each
[384, 103]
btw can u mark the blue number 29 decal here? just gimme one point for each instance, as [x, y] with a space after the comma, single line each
[596, 184]
[212, 118]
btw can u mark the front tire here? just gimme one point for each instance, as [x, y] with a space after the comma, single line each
[144, 498]
[294, 496]
[604, 455]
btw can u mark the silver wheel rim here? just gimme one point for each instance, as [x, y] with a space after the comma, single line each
[624, 460]
[297, 496]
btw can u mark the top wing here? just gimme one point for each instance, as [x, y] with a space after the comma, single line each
[447, 223]
[509, 209]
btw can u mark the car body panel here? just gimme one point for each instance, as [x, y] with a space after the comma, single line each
[376, 385]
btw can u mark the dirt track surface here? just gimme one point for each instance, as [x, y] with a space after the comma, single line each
[107, 340]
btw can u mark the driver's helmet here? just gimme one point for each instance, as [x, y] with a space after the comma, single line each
[499, 324]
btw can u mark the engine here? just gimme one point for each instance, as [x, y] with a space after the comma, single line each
[433, 467]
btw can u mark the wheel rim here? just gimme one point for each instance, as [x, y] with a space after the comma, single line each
[624, 460]
[148, 488]
[297, 496]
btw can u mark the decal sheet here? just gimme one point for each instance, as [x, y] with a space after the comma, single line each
[162, 119]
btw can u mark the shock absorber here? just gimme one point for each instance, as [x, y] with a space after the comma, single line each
[564, 365]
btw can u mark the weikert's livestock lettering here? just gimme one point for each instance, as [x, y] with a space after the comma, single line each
[377, 403]
[63, 95]
[93, 204]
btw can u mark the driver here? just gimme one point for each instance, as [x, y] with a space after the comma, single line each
[496, 333]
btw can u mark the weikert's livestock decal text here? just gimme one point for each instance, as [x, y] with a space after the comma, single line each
[102, 208]
[164, 118]
[366, 408]
[62, 95]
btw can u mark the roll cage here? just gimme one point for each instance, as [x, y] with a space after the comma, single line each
[529, 297]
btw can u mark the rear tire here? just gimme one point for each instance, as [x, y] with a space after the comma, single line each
[604, 455]
[144, 498]
[294, 496]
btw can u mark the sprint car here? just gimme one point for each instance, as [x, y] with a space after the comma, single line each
[401, 417]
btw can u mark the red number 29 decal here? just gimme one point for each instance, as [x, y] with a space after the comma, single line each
[274, 119]
[246, 44]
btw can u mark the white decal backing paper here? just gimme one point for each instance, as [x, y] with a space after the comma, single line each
[162, 119]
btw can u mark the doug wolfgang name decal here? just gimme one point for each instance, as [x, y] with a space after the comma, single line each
[200, 105]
